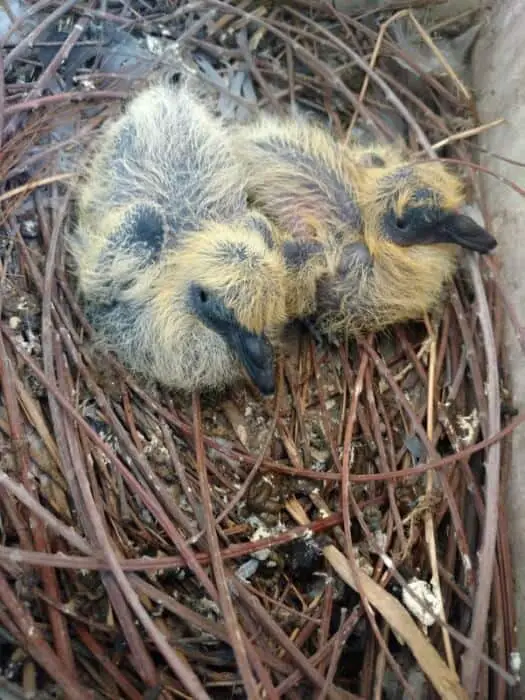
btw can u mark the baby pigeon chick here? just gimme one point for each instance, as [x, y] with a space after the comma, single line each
[413, 230]
[370, 238]
[180, 279]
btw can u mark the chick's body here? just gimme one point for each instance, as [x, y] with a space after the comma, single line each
[179, 278]
[339, 209]
[296, 175]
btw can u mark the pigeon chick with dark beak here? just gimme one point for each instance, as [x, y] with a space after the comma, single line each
[179, 278]
[369, 238]
[413, 230]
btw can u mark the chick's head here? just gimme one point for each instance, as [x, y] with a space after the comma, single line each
[418, 204]
[231, 285]
[413, 230]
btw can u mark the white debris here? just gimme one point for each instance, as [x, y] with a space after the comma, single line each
[425, 593]
[247, 570]
[262, 554]
[261, 530]
[381, 539]
[515, 662]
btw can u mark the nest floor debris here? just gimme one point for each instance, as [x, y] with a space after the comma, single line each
[155, 546]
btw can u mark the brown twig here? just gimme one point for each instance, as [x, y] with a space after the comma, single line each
[228, 610]
[471, 658]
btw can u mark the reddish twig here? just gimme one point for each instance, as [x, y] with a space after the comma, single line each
[228, 610]
[471, 658]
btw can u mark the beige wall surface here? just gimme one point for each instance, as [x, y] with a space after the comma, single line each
[499, 82]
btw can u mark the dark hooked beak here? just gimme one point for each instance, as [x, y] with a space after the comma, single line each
[256, 356]
[464, 231]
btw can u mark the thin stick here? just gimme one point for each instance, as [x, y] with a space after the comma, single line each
[430, 535]
[34, 184]
[30, 39]
[34, 642]
[468, 133]
[2, 100]
[471, 658]
[373, 60]
[437, 53]
[225, 599]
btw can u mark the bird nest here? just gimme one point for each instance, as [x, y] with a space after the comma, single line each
[343, 539]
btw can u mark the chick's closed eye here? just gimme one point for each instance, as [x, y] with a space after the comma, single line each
[414, 225]
[253, 350]
[210, 309]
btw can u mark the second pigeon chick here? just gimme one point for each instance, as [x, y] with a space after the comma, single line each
[180, 279]
[371, 238]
